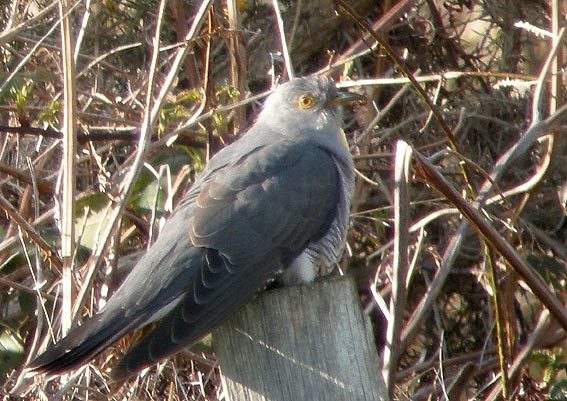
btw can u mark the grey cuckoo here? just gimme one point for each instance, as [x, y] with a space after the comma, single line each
[272, 205]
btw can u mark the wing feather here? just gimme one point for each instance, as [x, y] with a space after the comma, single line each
[242, 222]
[252, 218]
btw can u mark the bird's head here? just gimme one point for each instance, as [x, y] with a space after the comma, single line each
[308, 107]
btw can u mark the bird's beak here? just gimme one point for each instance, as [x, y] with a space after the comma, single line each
[344, 98]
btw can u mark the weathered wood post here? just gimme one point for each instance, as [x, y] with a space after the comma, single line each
[301, 343]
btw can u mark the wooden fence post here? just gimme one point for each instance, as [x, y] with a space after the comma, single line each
[301, 343]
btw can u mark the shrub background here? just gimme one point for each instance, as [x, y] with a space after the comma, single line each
[485, 333]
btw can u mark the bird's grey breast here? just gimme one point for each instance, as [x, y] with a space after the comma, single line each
[320, 257]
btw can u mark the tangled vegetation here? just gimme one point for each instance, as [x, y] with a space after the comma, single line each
[471, 93]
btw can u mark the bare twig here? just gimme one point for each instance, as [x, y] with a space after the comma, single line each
[535, 282]
[283, 40]
[400, 263]
[68, 165]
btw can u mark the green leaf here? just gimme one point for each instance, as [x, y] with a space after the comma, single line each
[552, 271]
[91, 220]
[143, 197]
[11, 350]
[558, 391]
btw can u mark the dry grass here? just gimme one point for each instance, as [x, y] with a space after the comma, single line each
[483, 295]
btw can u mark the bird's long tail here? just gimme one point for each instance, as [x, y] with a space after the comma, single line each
[81, 344]
[147, 294]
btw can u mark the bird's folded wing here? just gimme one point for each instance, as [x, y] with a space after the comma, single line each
[243, 221]
[252, 218]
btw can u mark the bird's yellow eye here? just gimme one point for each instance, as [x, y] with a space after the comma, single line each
[305, 101]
